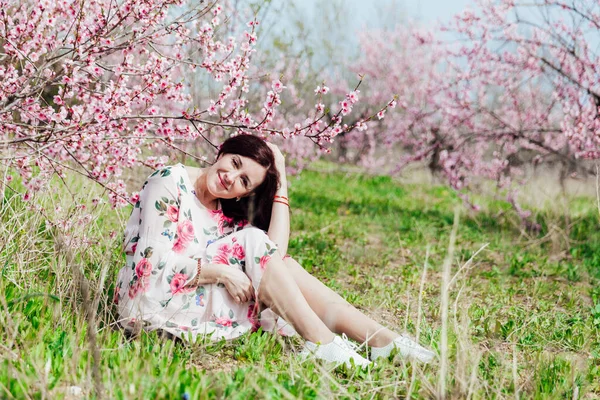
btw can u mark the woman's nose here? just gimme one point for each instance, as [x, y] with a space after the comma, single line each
[229, 177]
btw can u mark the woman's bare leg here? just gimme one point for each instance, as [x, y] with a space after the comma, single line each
[337, 314]
[279, 291]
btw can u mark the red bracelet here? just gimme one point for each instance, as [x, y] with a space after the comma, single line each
[282, 202]
[281, 197]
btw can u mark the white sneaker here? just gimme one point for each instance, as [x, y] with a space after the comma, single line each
[407, 348]
[338, 352]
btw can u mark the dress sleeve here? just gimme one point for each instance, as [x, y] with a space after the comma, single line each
[158, 261]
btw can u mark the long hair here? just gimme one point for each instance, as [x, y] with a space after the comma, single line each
[257, 206]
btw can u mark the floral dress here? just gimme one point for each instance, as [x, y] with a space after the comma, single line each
[167, 232]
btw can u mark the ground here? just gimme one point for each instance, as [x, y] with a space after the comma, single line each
[523, 306]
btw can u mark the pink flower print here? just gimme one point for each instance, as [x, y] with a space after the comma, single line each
[224, 321]
[178, 284]
[172, 213]
[264, 260]
[133, 248]
[143, 268]
[217, 215]
[179, 246]
[221, 226]
[221, 258]
[134, 289]
[253, 316]
[225, 248]
[238, 252]
[116, 296]
[221, 220]
[143, 285]
[185, 231]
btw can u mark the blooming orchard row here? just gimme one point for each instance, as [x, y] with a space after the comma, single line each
[98, 86]
[500, 88]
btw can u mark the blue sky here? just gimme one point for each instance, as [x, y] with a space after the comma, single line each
[425, 11]
[339, 21]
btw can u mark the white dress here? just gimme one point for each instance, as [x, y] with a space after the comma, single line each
[167, 232]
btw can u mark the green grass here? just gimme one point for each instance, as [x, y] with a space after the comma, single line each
[524, 315]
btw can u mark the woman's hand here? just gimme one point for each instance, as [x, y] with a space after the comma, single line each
[279, 159]
[237, 284]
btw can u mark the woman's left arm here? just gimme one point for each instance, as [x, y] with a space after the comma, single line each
[279, 228]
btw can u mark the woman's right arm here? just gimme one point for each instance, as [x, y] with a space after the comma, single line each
[164, 233]
[236, 282]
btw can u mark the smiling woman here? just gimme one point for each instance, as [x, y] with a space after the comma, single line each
[206, 256]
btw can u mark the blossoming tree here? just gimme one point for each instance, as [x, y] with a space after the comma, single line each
[87, 86]
[516, 85]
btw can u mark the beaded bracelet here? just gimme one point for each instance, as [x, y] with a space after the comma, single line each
[198, 270]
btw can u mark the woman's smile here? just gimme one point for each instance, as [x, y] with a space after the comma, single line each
[222, 181]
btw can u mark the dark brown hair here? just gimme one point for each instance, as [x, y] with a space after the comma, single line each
[257, 206]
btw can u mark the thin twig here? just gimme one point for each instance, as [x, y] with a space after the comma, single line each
[411, 387]
[446, 268]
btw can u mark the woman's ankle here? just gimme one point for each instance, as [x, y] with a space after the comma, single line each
[383, 338]
[322, 338]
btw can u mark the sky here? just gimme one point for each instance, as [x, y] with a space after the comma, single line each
[340, 21]
[425, 11]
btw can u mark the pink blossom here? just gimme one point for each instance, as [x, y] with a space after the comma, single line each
[353, 96]
[277, 86]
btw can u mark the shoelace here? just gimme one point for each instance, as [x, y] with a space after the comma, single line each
[408, 342]
[349, 344]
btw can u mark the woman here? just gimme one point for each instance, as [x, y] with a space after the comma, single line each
[204, 254]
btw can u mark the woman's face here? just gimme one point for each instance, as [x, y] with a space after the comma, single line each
[233, 176]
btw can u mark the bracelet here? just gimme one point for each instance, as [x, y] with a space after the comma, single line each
[198, 270]
[282, 202]
[281, 197]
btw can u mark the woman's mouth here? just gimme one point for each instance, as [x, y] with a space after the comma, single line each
[221, 180]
